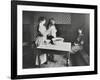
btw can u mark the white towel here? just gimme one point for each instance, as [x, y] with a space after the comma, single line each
[43, 59]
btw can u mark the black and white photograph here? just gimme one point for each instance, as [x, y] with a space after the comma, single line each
[53, 39]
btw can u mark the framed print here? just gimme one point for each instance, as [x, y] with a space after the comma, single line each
[53, 39]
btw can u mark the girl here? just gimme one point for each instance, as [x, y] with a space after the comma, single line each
[51, 34]
[78, 44]
[51, 30]
[41, 38]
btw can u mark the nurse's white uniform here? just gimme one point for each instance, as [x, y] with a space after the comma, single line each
[39, 41]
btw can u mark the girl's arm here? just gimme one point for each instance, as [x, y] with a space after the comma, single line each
[54, 32]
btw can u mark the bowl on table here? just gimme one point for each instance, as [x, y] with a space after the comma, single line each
[58, 40]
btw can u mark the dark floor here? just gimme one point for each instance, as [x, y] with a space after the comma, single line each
[78, 59]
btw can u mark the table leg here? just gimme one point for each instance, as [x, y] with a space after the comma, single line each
[68, 59]
[39, 61]
[47, 57]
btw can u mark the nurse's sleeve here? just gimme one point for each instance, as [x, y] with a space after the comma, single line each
[41, 30]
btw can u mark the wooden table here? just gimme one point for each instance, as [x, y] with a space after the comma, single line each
[65, 46]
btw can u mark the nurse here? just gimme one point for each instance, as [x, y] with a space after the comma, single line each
[51, 29]
[41, 38]
[51, 34]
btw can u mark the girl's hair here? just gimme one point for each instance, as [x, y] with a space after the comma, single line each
[50, 22]
[41, 19]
